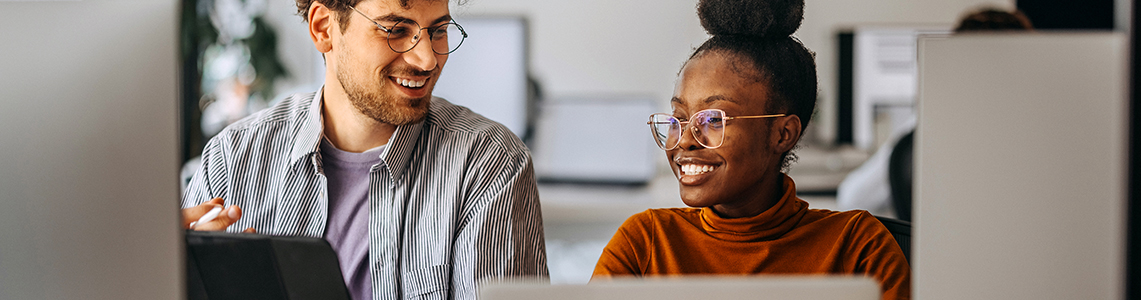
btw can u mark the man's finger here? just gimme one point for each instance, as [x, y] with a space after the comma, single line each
[192, 214]
[227, 217]
[250, 230]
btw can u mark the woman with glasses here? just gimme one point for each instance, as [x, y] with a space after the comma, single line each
[740, 106]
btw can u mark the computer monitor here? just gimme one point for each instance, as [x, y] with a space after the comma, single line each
[878, 81]
[488, 73]
[802, 287]
[89, 151]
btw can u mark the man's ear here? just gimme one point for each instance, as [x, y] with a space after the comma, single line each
[321, 26]
[786, 133]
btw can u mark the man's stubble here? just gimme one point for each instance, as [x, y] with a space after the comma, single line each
[383, 107]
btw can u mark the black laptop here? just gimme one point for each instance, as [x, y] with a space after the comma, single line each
[223, 266]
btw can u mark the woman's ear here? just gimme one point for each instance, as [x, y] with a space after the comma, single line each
[321, 27]
[787, 133]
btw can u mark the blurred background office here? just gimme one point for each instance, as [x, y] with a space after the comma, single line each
[576, 80]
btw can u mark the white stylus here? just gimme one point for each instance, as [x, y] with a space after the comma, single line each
[209, 216]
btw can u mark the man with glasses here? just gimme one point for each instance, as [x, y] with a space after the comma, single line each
[420, 198]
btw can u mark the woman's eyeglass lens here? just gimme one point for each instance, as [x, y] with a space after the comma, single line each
[708, 129]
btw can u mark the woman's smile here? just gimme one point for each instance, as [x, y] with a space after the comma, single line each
[694, 171]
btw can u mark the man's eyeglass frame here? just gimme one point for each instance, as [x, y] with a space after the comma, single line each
[416, 38]
[688, 123]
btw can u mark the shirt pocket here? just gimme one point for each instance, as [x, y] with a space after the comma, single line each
[429, 282]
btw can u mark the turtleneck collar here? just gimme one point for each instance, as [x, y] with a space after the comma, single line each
[769, 224]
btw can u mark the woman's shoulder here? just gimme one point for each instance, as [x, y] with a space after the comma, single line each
[853, 215]
[856, 221]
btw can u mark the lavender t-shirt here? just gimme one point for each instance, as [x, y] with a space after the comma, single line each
[347, 230]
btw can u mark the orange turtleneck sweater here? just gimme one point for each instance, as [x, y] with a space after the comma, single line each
[788, 238]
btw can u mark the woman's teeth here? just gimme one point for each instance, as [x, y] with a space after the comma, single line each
[695, 169]
[410, 83]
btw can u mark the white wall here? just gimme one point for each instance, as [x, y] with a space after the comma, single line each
[295, 48]
[604, 46]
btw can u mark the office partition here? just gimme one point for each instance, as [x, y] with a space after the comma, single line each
[88, 150]
[1020, 167]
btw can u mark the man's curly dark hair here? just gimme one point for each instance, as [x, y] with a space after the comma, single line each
[756, 36]
[342, 8]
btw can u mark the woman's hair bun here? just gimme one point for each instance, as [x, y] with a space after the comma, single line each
[760, 18]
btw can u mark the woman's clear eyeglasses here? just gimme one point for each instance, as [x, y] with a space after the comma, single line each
[708, 128]
[404, 35]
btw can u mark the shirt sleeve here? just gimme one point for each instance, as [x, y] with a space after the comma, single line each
[625, 254]
[501, 235]
[208, 181]
[881, 258]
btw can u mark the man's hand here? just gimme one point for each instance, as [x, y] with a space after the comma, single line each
[227, 217]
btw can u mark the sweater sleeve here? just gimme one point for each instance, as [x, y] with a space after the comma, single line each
[881, 257]
[628, 251]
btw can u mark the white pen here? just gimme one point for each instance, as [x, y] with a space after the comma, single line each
[209, 216]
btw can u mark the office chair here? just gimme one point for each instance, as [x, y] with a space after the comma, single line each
[899, 175]
[901, 231]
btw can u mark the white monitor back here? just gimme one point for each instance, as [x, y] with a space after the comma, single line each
[488, 73]
[601, 139]
[712, 287]
[1020, 167]
[88, 124]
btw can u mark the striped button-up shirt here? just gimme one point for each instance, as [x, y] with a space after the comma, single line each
[453, 201]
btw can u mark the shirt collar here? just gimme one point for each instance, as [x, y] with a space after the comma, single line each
[396, 155]
[312, 126]
[401, 146]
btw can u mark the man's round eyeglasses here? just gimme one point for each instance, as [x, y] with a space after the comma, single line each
[707, 126]
[405, 34]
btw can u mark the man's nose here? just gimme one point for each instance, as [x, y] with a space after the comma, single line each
[421, 55]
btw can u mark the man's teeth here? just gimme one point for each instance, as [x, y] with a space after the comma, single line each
[410, 83]
[695, 169]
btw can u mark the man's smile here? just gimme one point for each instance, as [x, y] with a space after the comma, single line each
[411, 86]
[409, 82]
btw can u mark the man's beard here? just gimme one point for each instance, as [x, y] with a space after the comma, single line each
[382, 107]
